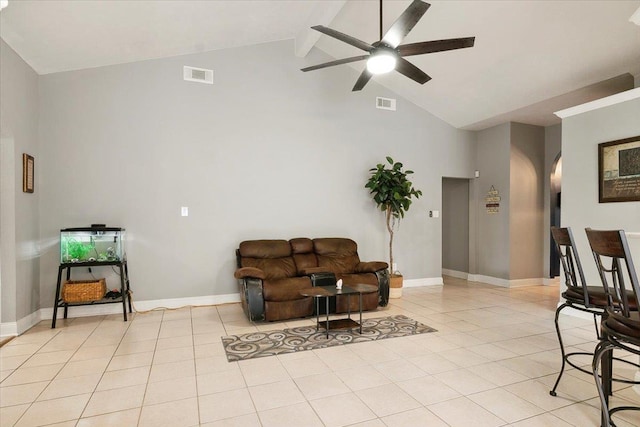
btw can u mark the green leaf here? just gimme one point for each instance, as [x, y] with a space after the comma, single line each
[390, 189]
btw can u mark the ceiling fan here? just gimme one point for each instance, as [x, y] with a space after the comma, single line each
[388, 54]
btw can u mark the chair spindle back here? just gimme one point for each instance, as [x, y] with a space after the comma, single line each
[612, 246]
[566, 247]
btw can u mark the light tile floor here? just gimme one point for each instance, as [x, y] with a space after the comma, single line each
[491, 363]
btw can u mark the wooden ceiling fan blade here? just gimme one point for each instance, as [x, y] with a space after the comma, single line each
[336, 62]
[435, 46]
[343, 37]
[362, 80]
[405, 23]
[406, 68]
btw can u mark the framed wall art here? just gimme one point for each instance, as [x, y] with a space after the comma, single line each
[28, 169]
[619, 170]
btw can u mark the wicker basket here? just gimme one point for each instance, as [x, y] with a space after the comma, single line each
[83, 290]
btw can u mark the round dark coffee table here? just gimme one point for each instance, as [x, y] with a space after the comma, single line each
[327, 292]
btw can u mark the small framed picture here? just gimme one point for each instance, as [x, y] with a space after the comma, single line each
[27, 173]
[619, 170]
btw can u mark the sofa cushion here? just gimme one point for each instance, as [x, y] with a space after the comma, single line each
[301, 245]
[265, 249]
[273, 257]
[273, 268]
[285, 289]
[337, 254]
[303, 256]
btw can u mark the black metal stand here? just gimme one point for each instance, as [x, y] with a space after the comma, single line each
[124, 288]
[343, 323]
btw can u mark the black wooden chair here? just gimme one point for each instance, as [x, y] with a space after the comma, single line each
[621, 321]
[579, 296]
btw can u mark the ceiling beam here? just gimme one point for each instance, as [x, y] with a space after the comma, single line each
[635, 18]
[323, 14]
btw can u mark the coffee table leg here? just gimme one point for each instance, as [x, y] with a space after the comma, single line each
[327, 302]
[317, 301]
[360, 308]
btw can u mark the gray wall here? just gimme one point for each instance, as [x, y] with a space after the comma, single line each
[581, 135]
[19, 212]
[526, 205]
[509, 246]
[493, 229]
[552, 149]
[455, 224]
[265, 152]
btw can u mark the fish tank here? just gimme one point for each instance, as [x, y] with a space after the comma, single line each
[92, 244]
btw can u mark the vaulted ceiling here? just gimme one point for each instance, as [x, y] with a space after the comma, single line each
[530, 57]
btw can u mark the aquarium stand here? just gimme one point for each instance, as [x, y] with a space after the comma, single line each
[124, 298]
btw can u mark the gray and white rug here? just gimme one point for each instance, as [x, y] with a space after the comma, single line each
[262, 344]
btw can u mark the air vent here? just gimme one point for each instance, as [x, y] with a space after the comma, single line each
[386, 103]
[200, 75]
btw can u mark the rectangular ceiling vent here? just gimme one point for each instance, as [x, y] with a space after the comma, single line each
[200, 75]
[386, 103]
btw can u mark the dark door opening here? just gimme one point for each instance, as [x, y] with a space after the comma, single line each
[555, 194]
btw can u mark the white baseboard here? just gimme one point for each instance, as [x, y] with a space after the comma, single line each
[425, 281]
[455, 273]
[489, 280]
[12, 329]
[9, 329]
[104, 309]
[505, 283]
[181, 302]
[17, 328]
[27, 322]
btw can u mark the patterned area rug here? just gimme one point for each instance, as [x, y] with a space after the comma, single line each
[262, 344]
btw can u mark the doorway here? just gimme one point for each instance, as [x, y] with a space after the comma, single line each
[555, 192]
[455, 227]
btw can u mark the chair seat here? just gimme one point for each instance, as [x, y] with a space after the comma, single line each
[629, 327]
[597, 297]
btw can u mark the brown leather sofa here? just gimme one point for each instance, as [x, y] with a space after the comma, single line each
[271, 274]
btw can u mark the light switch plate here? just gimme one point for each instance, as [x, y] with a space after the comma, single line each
[184, 211]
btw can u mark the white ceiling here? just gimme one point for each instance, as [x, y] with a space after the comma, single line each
[526, 52]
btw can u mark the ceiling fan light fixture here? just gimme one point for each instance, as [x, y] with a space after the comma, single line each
[381, 62]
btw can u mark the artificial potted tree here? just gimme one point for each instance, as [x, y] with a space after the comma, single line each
[392, 192]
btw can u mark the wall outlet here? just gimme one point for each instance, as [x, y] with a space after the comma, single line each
[184, 211]
[434, 214]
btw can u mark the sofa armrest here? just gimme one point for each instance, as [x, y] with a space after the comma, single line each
[383, 287]
[252, 297]
[243, 272]
[371, 267]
